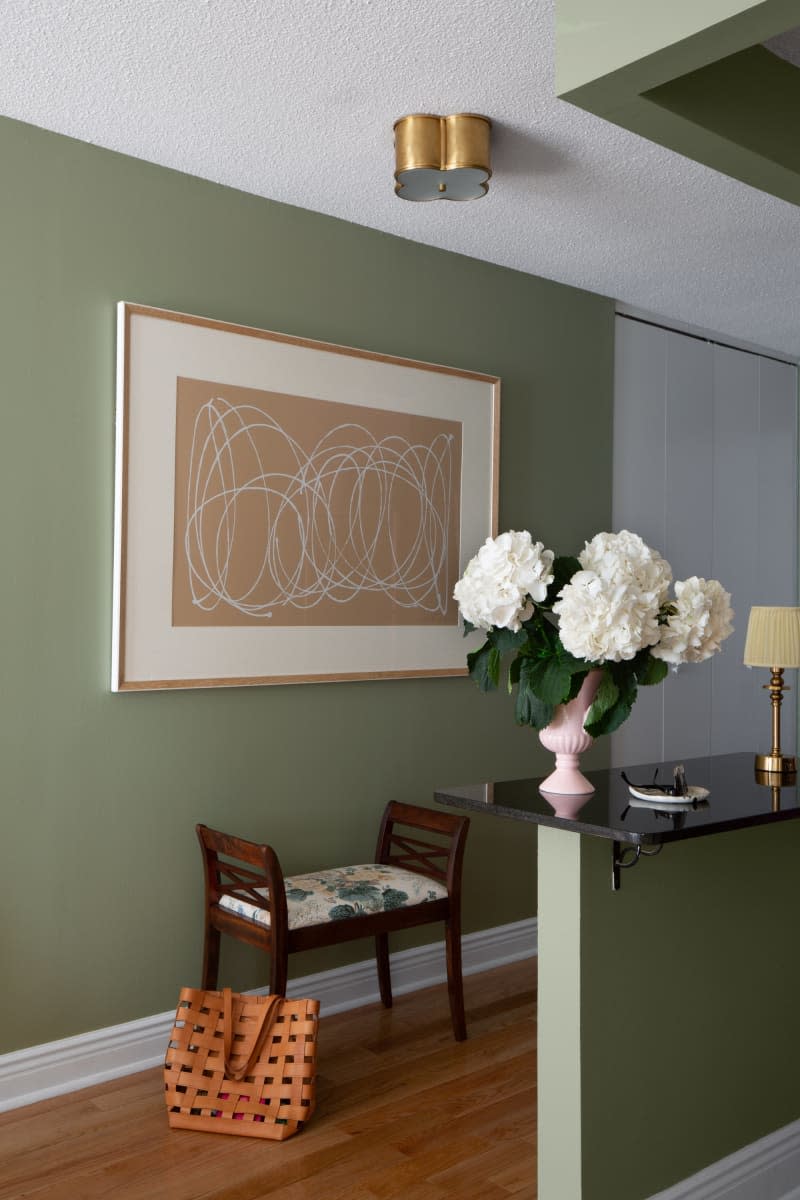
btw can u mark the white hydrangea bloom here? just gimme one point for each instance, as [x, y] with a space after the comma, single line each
[608, 612]
[606, 620]
[501, 582]
[624, 558]
[702, 620]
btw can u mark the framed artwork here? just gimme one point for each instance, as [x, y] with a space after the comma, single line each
[290, 511]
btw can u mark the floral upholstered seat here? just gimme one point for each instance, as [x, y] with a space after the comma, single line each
[343, 892]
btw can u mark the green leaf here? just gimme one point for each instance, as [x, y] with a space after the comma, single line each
[468, 627]
[564, 568]
[575, 666]
[529, 708]
[611, 720]
[649, 670]
[484, 667]
[541, 633]
[514, 672]
[535, 669]
[605, 699]
[506, 640]
[576, 683]
[625, 678]
[622, 676]
[543, 641]
[541, 714]
[553, 684]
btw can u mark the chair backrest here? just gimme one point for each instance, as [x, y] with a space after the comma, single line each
[439, 859]
[235, 867]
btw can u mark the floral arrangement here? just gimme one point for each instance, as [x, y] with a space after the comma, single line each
[607, 609]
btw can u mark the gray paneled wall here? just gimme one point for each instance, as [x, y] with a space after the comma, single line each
[705, 470]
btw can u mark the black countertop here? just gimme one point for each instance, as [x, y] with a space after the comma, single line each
[735, 801]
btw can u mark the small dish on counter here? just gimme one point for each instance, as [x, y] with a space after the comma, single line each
[656, 795]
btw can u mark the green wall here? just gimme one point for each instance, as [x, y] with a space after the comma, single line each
[689, 987]
[100, 890]
[678, 997]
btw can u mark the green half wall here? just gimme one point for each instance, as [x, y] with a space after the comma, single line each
[667, 1011]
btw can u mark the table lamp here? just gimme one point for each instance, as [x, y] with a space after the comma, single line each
[773, 640]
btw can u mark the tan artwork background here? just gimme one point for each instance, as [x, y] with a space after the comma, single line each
[295, 511]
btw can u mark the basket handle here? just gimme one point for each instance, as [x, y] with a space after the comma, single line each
[264, 1025]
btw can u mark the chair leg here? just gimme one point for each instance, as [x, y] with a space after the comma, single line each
[455, 981]
[211, 958]
[278, 972]
[384, 974]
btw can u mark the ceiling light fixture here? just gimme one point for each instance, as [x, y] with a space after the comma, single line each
[442, 158]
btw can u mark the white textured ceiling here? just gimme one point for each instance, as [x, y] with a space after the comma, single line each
[295, 100]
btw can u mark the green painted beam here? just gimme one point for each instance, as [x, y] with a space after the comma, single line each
[600, 38]
[691, 77]
[750, 100]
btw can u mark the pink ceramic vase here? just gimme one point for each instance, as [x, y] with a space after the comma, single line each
[567, 738]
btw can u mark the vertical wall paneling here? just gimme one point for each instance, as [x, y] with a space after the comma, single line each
[736, 487]
[640, 373]
[639, 489]
[705, 469]
[776, 545]
[688, 519]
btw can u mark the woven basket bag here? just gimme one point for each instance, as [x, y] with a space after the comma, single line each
[241, 1064]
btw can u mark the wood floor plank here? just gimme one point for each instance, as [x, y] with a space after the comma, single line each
[486, 1166]
[403, 1113]
[395, 1180]
[518, 1176]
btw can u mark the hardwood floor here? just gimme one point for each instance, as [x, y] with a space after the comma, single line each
[403, 1111]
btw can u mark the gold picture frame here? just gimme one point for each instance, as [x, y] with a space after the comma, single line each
[288, 510]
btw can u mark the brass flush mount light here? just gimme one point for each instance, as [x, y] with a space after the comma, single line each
[442, 158]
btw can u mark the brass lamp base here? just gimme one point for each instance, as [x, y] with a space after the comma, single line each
[776, 766]
[783, 765]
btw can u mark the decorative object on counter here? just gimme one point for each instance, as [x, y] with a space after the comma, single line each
[566, 737]
[676, 793]
[773, 640]
[672, 804]
[608, 610]
[241, 1064]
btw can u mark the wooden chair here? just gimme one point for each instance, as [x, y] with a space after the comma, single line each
[412, 881]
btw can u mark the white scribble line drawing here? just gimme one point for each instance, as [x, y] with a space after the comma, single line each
[329, 524]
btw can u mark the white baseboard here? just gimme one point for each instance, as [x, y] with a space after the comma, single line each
[54, 1068]
[765, 1170]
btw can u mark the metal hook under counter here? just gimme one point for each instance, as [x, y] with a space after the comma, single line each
[623, 857]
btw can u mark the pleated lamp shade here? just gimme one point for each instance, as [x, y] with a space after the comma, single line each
[773, 637]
